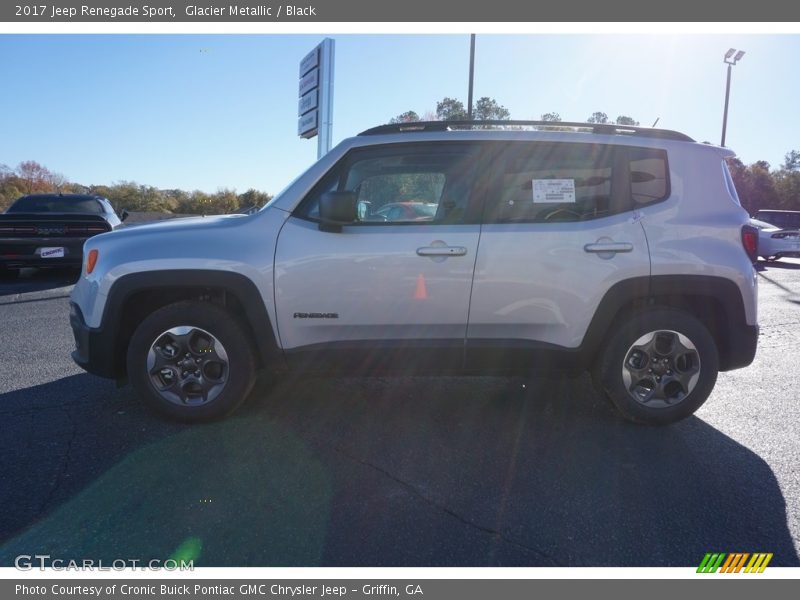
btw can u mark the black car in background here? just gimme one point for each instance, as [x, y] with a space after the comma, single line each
[48, 230]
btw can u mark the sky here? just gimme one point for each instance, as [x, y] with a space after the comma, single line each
[198, 111]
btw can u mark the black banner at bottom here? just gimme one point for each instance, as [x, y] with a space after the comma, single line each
[366, 589]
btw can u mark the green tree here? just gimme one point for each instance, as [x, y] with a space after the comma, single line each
[487, 109]
[755, 185]
[253, 197]
[598, 117]
[792, 161]
[552, 117]
[407, 117]
[450, 109]
[129, 195]
[223, 202]
[623, 120]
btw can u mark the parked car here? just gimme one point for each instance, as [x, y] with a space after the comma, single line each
[48, 230]
[407, 211]
[783, 219]
[775, 243]
[586, 247]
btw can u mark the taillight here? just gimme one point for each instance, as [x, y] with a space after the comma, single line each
[91, 261]
[85, 229]
[15, 229]
[750, 241]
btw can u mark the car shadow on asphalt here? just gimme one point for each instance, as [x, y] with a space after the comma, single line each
[763, 265]
[790, 295]
[380, 472]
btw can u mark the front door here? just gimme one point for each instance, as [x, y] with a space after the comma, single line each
[391, 290]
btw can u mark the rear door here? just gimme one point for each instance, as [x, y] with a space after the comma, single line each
[559, 230]
[390, 291]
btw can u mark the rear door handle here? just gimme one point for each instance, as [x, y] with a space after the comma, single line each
[600, 247]
[441, 251]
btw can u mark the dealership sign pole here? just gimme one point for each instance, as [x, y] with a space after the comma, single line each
[315, 106]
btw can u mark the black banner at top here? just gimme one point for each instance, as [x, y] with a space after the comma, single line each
[300, 11]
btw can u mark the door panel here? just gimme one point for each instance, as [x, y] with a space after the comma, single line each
[560, 228]
[375, 282]
[542, 282]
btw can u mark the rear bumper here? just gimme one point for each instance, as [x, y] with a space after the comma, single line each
[94, 351]
[18, 253]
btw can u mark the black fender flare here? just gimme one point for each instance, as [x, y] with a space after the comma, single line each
[244, 289]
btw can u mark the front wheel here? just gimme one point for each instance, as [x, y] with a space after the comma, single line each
[659, 366]
[191, 361]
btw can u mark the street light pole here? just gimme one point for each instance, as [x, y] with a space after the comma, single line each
[725, 112]
[471, 74]
[730, 59]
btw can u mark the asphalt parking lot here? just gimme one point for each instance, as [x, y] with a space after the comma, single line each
[394, 472]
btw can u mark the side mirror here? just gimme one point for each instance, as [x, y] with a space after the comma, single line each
[337, 209]
[123, 215]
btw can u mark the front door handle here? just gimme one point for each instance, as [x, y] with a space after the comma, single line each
[441, 251]
[603, 247]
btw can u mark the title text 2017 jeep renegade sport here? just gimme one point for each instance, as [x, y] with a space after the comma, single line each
[443, 248]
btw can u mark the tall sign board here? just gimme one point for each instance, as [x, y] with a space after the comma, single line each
[315, 96]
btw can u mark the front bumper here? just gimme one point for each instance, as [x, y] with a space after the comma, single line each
[94, 351]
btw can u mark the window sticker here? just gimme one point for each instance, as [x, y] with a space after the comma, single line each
[552, 191]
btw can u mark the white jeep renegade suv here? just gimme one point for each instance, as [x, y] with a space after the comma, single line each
[507, 249]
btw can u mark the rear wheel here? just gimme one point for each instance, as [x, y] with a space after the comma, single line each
[191, 361]
[659, 366]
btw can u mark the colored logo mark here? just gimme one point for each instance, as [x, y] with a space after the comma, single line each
[734, 562]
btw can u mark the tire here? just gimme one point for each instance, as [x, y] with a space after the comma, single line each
[658, 366]
[191, 361]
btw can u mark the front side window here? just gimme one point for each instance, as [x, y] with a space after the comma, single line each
[402, 184]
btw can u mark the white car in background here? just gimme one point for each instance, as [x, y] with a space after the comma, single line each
[775, 243]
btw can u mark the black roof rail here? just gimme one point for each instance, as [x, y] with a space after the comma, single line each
[605, 128]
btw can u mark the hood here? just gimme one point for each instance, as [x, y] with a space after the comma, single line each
[167, 226]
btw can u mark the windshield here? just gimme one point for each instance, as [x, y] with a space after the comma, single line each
[59, 204]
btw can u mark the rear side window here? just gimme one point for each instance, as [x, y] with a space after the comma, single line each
[548, 182]
[56, 204]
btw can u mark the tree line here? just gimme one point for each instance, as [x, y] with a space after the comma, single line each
[30, 177]
[758, 184]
